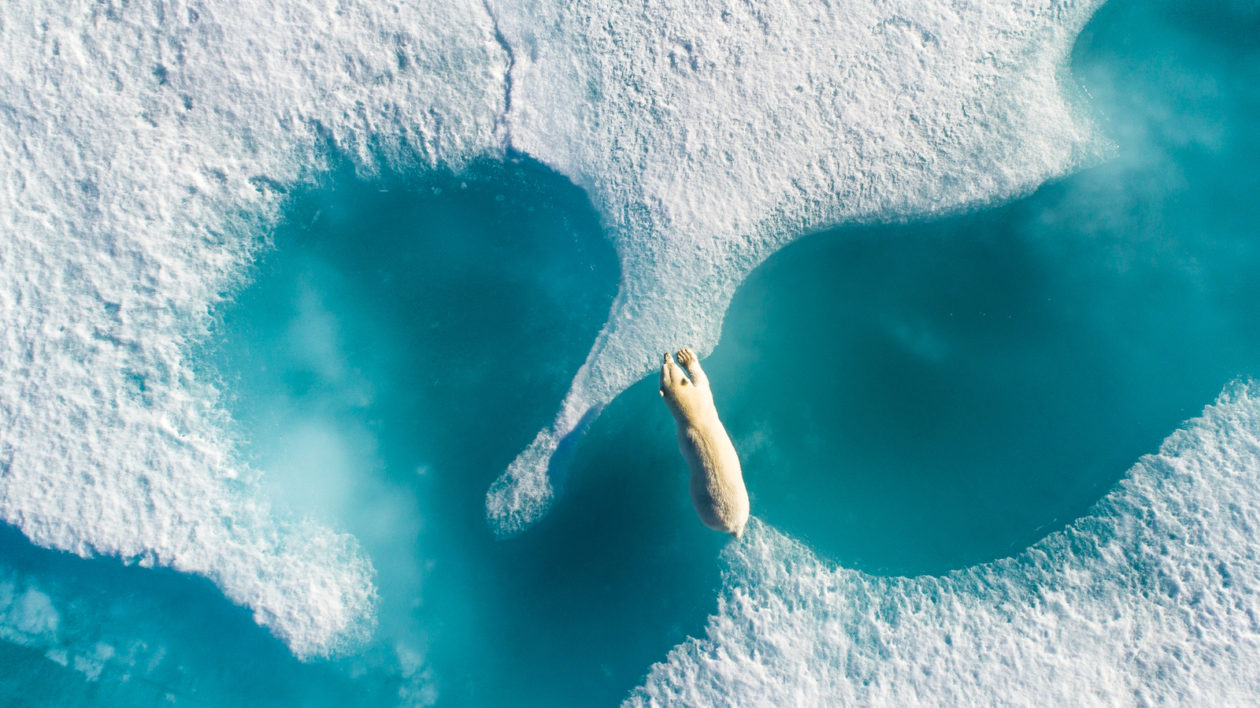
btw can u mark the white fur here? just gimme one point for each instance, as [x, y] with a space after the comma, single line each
[717, 483]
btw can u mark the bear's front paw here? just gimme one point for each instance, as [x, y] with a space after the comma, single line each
[686, 356]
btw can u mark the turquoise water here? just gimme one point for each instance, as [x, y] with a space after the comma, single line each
[958, 389]
[906, 399]
[402, 342]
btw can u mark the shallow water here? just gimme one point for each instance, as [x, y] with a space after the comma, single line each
[907, 399]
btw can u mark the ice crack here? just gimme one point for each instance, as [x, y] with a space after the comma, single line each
[503, 129]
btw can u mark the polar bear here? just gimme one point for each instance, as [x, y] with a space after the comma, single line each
[717, 483]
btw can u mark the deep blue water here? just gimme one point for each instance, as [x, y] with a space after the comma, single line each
[906, 398]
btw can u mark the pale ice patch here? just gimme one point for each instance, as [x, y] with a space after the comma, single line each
[709, 134]
[27, 614]
[145, 146]
[1153, 598]
[29, 617]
